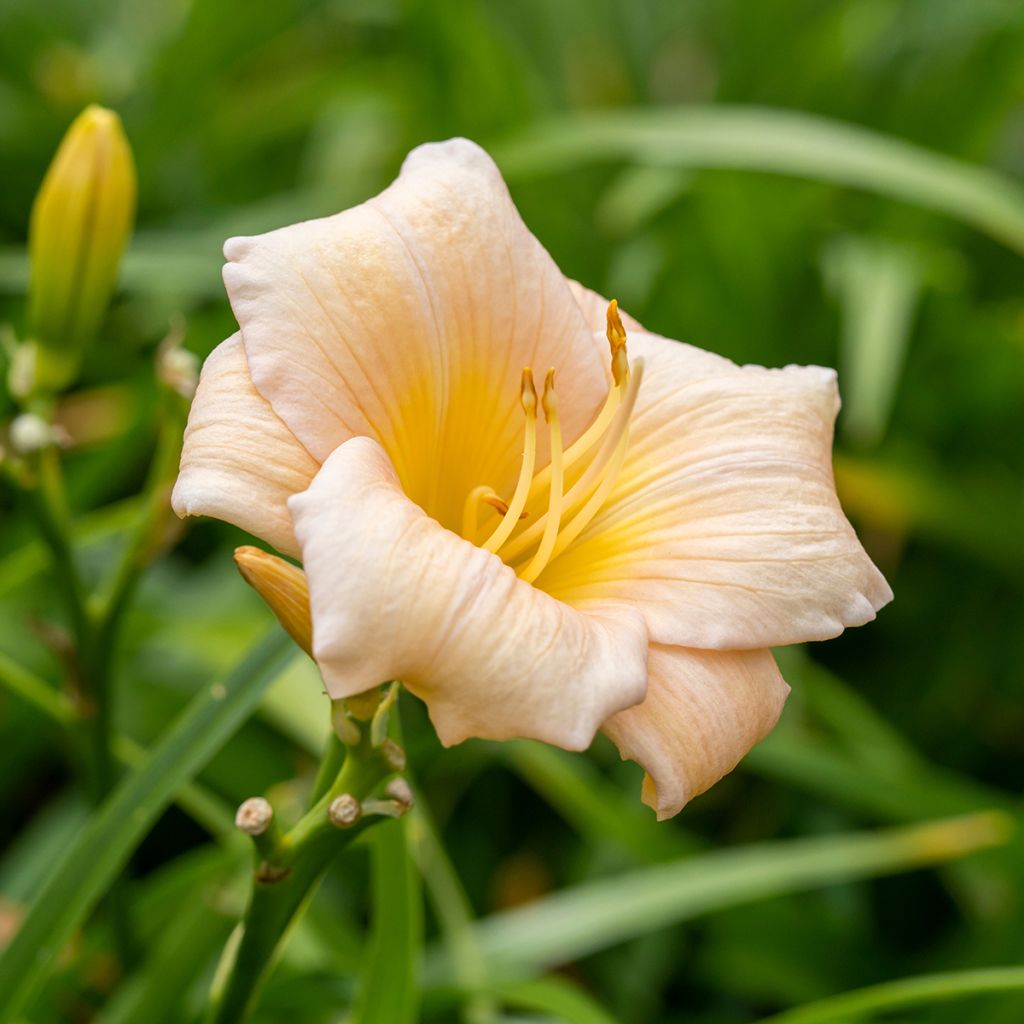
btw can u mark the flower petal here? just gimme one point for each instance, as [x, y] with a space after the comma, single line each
[724, 526]
[594, 308]
[703, 711]
[409, 319]
[395, 595]
[239, 462]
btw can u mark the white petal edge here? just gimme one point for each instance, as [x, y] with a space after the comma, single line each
[725, 527]
[239, 462]
[703, 712]
[396, 596]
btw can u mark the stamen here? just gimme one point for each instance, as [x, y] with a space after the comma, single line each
[581, 520]
[603, 445]
[514, 512]
[592, 476]
[616, 335]
[617, 340]
[484, 494]
[555, 498]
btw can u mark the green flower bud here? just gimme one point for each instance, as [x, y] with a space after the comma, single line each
[81, 221]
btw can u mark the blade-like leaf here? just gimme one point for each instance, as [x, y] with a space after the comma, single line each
[389, 991]
[102, 848]
[896, 995]
[781, 141]
[595, 915]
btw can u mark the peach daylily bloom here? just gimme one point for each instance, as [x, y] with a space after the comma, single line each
[616, 547]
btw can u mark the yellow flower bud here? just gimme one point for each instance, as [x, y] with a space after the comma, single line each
[283, 586]
[80, 223]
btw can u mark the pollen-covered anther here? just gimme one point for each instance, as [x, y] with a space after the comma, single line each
[549, 401]
[617, 341]
[528, 392]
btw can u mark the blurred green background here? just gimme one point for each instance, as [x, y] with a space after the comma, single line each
[767, 238]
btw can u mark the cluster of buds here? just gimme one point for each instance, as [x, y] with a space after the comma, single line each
[360, 724]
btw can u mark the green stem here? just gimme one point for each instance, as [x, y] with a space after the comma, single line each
[283, 883]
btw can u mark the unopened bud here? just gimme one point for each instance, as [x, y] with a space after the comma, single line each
[364, 705]
[80, 224]
[401, 792]
[254, 816]
[283, 586]
[30, 433]
[344, 811]
[394, 755]
[176, 367]
[344, 728]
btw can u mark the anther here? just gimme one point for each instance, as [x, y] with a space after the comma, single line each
[528, 392]
[495, 502]
[548, 401]
[617, 340]
[344, 811]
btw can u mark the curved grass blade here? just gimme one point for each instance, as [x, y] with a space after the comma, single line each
[779, 141]
[389, 993]
[599, 914]
[897, 995]
[101, 849]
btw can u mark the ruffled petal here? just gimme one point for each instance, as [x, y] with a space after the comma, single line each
[239, 462]
[409, 319]
[703, 711]
[724, 526]
[396, 596]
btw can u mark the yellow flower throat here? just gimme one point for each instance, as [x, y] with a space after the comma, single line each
[574, 486]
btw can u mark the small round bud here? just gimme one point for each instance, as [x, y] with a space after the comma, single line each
[394, 755]
[401, 792]
[178, 369]
[254, 816]
[31, 433]
[344, 811]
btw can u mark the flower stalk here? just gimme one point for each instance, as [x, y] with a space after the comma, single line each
[288, 866]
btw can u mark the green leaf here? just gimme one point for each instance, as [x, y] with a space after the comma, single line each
[595, 915]
[781, 141]
[598, 809]
[100, 851]
[389, 992]
[565, 1001]
[185, 948]
[897, 995]
[878, 284]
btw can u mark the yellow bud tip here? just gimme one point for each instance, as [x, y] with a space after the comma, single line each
[80, 223]
[283, 586]
[548, 400]
[528, 392]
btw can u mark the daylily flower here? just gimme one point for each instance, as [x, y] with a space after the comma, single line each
[613, 543]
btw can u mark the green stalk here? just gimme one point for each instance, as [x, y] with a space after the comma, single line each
[286, 877]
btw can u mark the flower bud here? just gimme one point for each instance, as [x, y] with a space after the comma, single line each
[283, 586]
[80, 223]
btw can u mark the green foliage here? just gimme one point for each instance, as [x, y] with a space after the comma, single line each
[783, 182]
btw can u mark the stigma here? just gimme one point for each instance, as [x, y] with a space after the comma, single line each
[549, 509]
